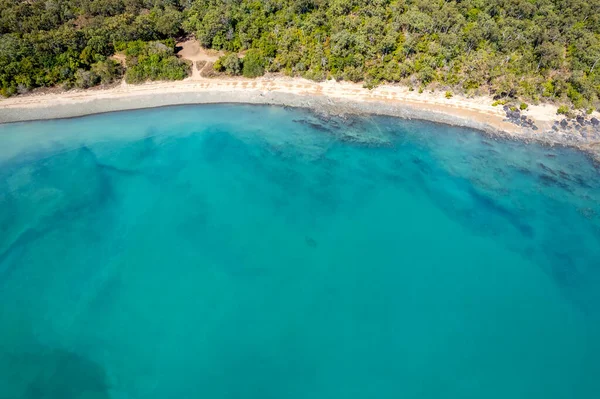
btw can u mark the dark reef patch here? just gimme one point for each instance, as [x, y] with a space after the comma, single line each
[310, 242]
[52, 373]
[313, 125]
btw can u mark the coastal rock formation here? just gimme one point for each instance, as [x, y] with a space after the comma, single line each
[581, 131]
[515, 116]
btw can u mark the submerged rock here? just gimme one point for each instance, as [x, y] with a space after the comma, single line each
[310, 242]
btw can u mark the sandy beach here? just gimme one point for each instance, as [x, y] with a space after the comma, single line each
[335, 96]
[327, 97]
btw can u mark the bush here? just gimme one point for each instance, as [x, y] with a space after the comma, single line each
[253, 64]
[563, 110]
[230, 64]
[154, 61]
[314, 74]
[353, 74]
[85, 79]
[427, 75]
[370, 83]
[523, 106]
[448, 95]
[108, 71]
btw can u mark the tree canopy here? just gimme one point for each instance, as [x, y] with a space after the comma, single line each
[535, 50]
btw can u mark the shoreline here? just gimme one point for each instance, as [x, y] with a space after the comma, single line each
[329, 97]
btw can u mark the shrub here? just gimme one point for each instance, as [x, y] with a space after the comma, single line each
[563, 110]
[154, 61]
[427, 75]
[230, 64]
[253, 64]
[353, 74]
[575, 96]
[448, 94]
[218, 65]
[523, 106]
[85, 79]
[314, 74]
[370, 83]
[108, 71]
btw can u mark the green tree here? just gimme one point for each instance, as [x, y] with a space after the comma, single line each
[230, 64]
[253, 64]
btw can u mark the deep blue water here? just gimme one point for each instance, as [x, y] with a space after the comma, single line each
[262, 252]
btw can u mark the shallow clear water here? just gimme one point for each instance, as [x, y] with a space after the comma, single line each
[261, 252]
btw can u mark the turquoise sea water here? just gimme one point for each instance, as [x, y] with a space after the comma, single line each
[261, 252]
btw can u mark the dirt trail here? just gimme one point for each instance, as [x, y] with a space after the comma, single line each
[192, 50]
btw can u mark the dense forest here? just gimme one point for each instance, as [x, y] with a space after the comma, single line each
[535, 50]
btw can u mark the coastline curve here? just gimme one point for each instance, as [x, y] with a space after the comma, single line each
[328, 98]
